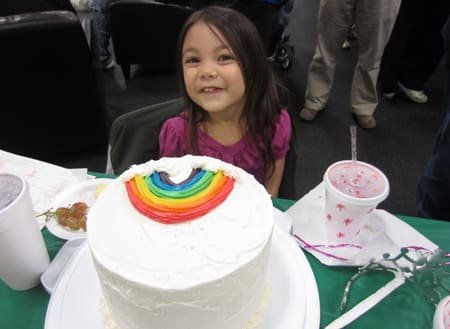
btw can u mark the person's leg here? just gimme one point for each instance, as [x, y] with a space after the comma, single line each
[100, 28]
[424, 46]
[284, 13]
[433, 189]
[280, 22]
[395, 50]
[334, 21]
[374, 21]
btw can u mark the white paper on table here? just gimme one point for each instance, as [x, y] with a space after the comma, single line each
[81, 173]
[45, 180]
[384, 233]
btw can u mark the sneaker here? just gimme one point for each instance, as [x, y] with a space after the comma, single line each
[417, 96]
[390, 95]
[308, 114]
[366, 121]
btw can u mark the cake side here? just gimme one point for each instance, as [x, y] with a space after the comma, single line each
[204, 273]
[226, 303]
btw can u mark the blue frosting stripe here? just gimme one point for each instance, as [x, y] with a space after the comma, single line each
[165, 183]
[191, 188]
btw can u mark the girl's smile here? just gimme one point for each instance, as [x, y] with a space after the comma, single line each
[212, 76]
[211, 90]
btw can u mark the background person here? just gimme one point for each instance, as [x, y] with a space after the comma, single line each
[102, 33]
[433, 196]
[373, 21]
[414, 49]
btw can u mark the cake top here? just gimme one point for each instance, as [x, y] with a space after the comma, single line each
[169, 201]
[178, 222]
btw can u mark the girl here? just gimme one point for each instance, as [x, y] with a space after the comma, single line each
[231, 98]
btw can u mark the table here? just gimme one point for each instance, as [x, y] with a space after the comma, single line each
[404, 308]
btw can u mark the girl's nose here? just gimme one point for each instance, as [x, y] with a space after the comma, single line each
[207, 71]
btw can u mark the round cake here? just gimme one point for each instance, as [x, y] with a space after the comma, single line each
[183, 243]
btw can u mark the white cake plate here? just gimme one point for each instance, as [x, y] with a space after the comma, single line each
[74, 303]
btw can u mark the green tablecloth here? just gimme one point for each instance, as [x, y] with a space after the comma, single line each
[404, 308]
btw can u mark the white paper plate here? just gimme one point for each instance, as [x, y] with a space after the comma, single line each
[294, 303]
[51, 275]
[82, 192]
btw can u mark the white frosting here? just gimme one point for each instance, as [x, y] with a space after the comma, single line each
[174, 169]
[202, 274]
[254, 323]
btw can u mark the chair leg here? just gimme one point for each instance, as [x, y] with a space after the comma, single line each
[126, 70]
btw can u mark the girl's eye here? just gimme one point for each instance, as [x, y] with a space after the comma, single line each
[225, 57]
[191, 60]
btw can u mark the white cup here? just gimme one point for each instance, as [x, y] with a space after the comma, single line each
[23, 255]
[441, 319]
[352, 192]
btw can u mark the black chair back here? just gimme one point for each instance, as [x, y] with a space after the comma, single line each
[134, 136]
[50, 102]
[146, 32]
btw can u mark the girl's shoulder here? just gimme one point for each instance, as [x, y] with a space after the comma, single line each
[284, 116]
[175, 125]
[172, 137]
[282, 134]
[283, 121]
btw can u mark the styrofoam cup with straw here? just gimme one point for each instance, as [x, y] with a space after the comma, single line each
[353, 189]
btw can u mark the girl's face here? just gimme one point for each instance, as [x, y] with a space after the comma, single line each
[212, 75]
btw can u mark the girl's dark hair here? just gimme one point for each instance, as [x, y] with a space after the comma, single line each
[262, 100]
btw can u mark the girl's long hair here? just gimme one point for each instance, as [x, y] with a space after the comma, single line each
[262, 100]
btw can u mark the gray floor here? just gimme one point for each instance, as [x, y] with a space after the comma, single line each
[400, 145]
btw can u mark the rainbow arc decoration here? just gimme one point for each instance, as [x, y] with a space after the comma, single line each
[160, 199]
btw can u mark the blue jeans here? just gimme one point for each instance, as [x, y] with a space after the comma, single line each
[433, 193]
[284, 13]
[100, 28]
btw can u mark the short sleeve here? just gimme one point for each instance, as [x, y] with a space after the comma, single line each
[172, 138]
[282, 136]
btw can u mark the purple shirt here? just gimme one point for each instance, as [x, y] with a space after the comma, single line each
[173, 142]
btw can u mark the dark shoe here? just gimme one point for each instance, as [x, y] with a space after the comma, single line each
[366, 121]
[308, 114]
[352, 35]
[108, 64]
